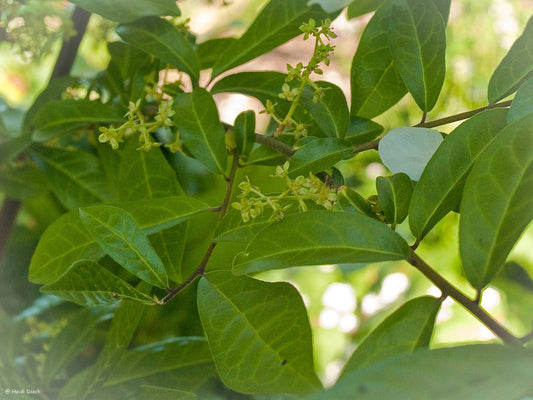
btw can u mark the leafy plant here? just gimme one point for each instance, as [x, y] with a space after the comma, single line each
[149, 259]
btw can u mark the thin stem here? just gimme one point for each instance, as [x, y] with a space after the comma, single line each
[461, 116]
[209, 252]
[475, 309]
[287, 120]
[275, 144]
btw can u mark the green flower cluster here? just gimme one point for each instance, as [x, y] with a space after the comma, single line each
[136, 123]
[252, 202]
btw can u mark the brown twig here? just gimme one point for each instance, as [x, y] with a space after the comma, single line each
[474, 308]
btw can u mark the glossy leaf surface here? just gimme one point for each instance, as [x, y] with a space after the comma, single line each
[61, 116]
[497, 204]
[75, 176]
[119, 236]
[487, 371]
[66, 240]
[360, 7]
[244, 130]
[418, 44]
[318, 155]
[126, 11]
[408, 328]
[376, 84]
[408, 150]
[522, 102]
[269, 320]
[440, 187]
[394, 195]
[88, 283]
[362, 130]
[277, 22]
[200, 128]
[320, 237]
[163, 40]
[515, 67]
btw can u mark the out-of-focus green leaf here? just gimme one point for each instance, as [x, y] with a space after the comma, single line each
[320, 237]
[497, 204]
[362, 130]
[209, 51]
[10, 148]
[269, 320]
[440, 187]
[408, 150]
[200, 128]
[318, 155]
[417, 40]
[244, 131]
[483, 371]
[277, 22]
[376, 84]
[66, 240]
[88, 283]
[330, 5]
[162, 393]
[330, 111]
[515, 67]
[126, 58]
[160, 356]
[126, 11]
[21, 182]
[145, 175]
[360, 7]
[522, 102]
[71, 340]
[61, 116]
[123, 326]
[408, 328]
[394, 196]
[75, 176]
[158, 37]
[119, 236]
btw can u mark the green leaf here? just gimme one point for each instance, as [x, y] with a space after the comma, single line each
[75, 176]
[258, 333]
[209, 51]
[376, 84]
[200, 128]
[441, 185]
[408, 150]
[408, 328]
[126, 11]
[163, 40]
[362, 130]
[169, 244]
[330, 111]
[231, 228]
[497, 203]
[360, 7]
[71, 340]
[161, 393]
[394, 193]
[126, 58]
[263, 85]
[318, 155]
[264, 155]
[483, 371]
[244, 131]
[166, 355]
[417, 40]
[522, 102]
[90, 284]
[515, 67]
[330, 5]
[119, 236]
[61, 116]
[123, 326]
[320, 237]
[349, 200]
[20, 182]
[66, 240]
[277, 23]
[145, 175]
[11, 148]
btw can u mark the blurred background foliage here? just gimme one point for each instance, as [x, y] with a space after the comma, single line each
[344, 303]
